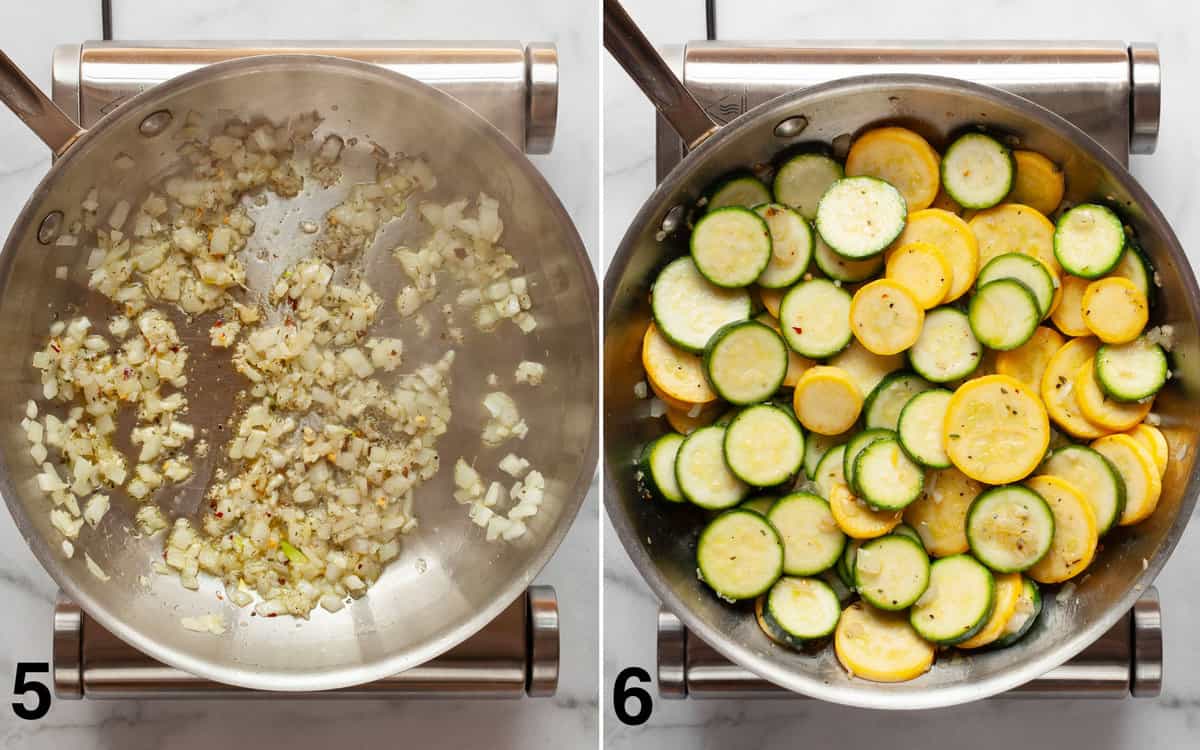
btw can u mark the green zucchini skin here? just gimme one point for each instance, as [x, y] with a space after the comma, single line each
[855, 446]
[738, 188]
[1152, 370]
[1021, 304]
[772, 547]
[774, 372]
[876, 408]
[1030, 589]
[659, 486]
[1101, 257]
[978, 197]
[754, 254]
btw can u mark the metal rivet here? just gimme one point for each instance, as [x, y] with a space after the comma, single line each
[673, 219]
[50, 227]
[155, 123]
[791, 127]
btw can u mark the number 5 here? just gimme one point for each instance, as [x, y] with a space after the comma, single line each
[39, 689]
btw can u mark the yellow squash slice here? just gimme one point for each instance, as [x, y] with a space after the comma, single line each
[864, 368]
[923, 270]
[1075, 532]
[885, 317]
[771, 299]
[1068, 314]
[1115, 310]
[1058, 388]
[1143, 486]
[900, 157]
[950, 234]
[676, 376]
[797, 364]
[1014, 228]
[1008, 593]
[940, 514]
[826, 400]
[880, 646]
[1099, 409]
[1028, 361]
[1152, 439]
[682, 421]
[857, 519]
[996, 429]
[1039, 182]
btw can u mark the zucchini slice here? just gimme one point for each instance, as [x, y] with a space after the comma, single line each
[1136, 267]
[764, 445]
[885, 317]
[688, 310]
[1068, 316]
[702, 474]
[947, 349]
[827, 401]
[657, 467]
[1027, 363]
[771, 629]
[880, 646]
[882, 408]
[803, 179]
[815, 448]
[940, 514]
[1009, 528]
[996, 429]
[1029, 606]
[814, 317]
[908, 531]
[1133, 371]
[919, 428]
[812, 541]
[1058, 388]
[891, 572]
[1143, 486]
[1152, 439]
[760, 505]
[1075, 533]
[1014, 228]
[923, 270]
[746, 362]
[1008, 595]
[791, 246]
[797, 365]
[1089, 240]
[842, 269]
[950, 234]
[886, 477]
[900, 157]
[1028, 270]
[1094, 476]
[731, 246]
[858, 217]
[856, 518]
[867, 370]
[739, 555]
[804, 608]
[845, 564]
[771, 299]
[1004, 314]
[977, 171]
[857, 445]
[677, 376]
[829, 471]
[1039, 182]
[1100, 410]
[957, 603]
[738, 189]
[1115, 310]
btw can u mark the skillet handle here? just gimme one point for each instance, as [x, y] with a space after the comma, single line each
[629, 46]
[35, 109]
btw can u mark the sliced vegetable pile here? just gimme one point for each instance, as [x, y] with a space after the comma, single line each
[944, 402]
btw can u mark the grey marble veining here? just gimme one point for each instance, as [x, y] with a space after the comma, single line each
[28, 32]
[1169, 722]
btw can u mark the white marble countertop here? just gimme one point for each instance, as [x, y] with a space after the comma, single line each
[1171, 721]
[28, 33]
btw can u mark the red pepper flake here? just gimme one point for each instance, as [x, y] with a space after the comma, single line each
[219, 323]
[219, 514]
[54, 345]
[797, 329]
[274, 614]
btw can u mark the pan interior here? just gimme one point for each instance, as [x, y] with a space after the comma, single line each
[660, 537]
[447, 582]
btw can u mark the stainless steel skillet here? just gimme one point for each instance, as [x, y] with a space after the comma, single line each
[447, 583]
[660, 540]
